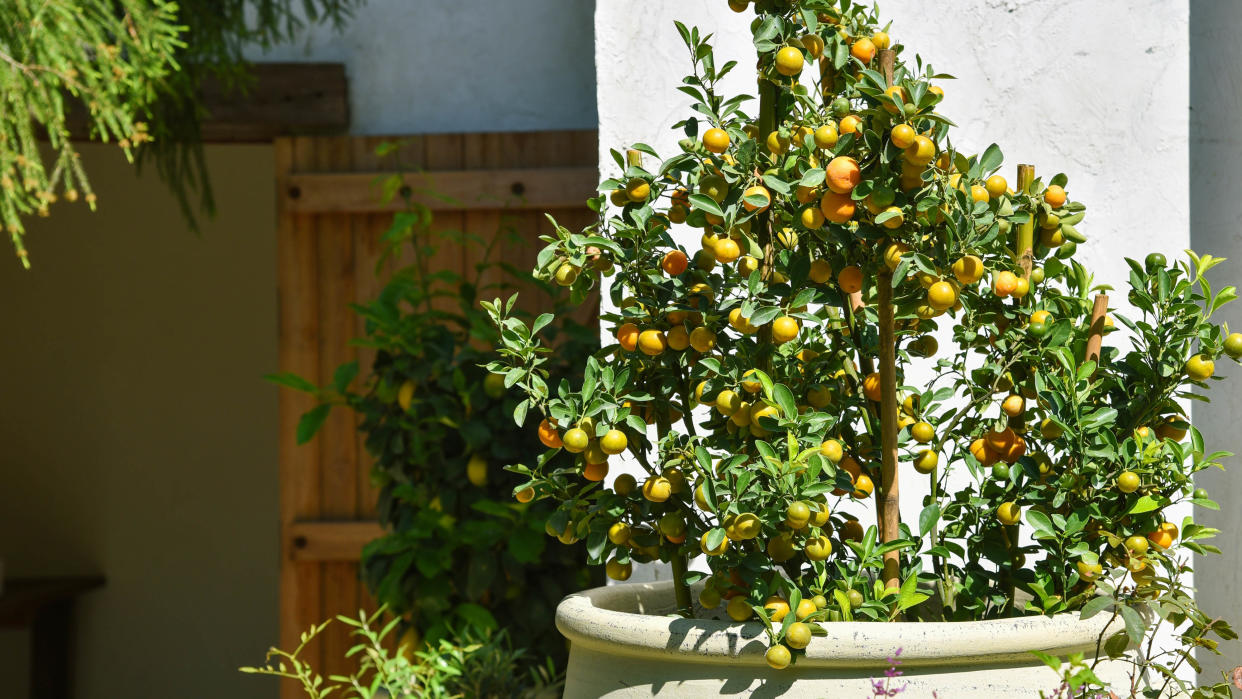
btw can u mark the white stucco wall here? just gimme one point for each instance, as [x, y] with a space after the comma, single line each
[421, 66]
[1216, 219]
[1101, 95]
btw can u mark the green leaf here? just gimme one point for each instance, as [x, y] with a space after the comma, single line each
[476, 616]
[812, 178]
[1135, 626]
[526, 545]
[289, 379]
[1146, 503]
[1041, 523]
[785, 399]
[311, 421]
[991, 159]
[928, 518]
[706, 204]
[344, 375]
[1095, 606]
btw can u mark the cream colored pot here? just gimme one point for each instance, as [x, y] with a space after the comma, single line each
[623, 644]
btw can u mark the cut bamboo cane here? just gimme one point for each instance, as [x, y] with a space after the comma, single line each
[1099, 314]
[1025, 248]
[889, 500]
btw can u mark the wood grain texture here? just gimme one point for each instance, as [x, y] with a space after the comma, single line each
[328, 253]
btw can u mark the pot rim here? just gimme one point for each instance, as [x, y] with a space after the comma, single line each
[592, 619]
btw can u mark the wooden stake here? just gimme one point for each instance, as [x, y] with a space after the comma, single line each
[1099, 312]
[1025, 247]
[890, 500]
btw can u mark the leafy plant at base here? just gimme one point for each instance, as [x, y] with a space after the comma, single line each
[759, 382]
[458, 549]
[482, 664]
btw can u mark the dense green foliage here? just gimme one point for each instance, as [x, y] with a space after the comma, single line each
[460, 550]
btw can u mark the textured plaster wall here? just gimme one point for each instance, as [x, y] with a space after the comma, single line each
[419, 66]
[1100, 93]
[139, 437]
[1216, 220]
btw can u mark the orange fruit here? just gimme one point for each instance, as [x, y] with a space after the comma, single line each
[789, 61]
[893, 253]
[850, 279]
[618, 570]
[524, 495]
[862, 487]
[716, 140]
[1168, 429]
[548, 434]
[1164, 536]
[757, 191]
[821, 272]
[702, 340]
[863, 49]
[1041, 316]
[851, 124]
[1013, 405]
[814, 45]
[837, 208]
[595, 472]
[898, 95]
[871, 386]
[831, 449]
[674, 262]
[842, 174]
[1055, 196]
[1000, 441]
[984, 454]
[652, 342]
[1006, 283]
[678, 338]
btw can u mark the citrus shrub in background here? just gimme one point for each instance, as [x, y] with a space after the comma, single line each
[459, 552]
[758, 379]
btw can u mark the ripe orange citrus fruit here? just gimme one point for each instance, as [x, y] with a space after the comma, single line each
[996, 186]
[595, 472]
[652, 342]
[968, 269]
[1164, 536]
[941, 296]
[548, 434]
[850, 279]
[863, 50]
[1055, 196]
[842, 174]
[757, 191]
[1006, 283]
[789, 61]
[674, 262]
[837, 208]
[902, 136]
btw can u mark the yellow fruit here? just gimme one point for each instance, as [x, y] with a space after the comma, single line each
[812, 218]
[921, 152]
[720, 548]
[996, 186]
[702, 340]
[567, 274]
[1041, 316]
[619, 533]
[739, 609]
[821, 272]
[893, 254]
[726, 251]
[776, 143]
[716, 140]
[831, 449]
[1200, 368]
[922, 432]
[728, 402]
[1128, 482]
[652, 342]
[1008, 513]
[784, 329]
[1013, 405]
[902, 136]
[657, 489]
[749, 384]
[926, 461]
[826, 136]
[941, 296]
[778, 657]
[818, 548]
[789, 61]
[618, 570]
[896, 218]
[576, 440]
[476, 471]
[613, 442]
[678, 338]
[624, 485]
[757, 192]
[880, 40]
[405, 396]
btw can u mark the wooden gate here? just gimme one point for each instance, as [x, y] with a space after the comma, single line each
[330, 220]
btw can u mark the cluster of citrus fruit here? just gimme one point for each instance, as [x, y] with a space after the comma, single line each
[841, 197]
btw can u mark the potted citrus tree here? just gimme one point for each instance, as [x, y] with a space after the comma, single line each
[759, 383]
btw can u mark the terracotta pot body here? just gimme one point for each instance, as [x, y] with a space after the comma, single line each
[623, 644]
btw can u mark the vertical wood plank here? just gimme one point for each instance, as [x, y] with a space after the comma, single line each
[446, 152]
[338, 465]
[297, 265]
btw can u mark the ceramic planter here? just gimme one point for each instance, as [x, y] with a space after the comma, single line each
[622, 644]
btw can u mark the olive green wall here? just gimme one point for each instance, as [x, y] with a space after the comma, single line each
[139, 440]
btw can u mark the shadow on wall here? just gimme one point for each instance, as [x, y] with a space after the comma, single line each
[140, 439]
[1216, 228]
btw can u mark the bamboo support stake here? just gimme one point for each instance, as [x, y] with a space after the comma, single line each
[1025, 248]
[890, 500]
[1099, 313]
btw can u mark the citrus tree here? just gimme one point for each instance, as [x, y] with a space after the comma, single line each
[759, 380]
[458, 553]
